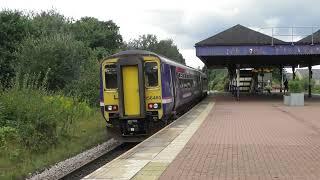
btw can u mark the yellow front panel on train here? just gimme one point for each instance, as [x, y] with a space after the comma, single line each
[131, 90]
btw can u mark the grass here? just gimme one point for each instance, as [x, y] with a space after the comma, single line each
[90, 133]
[40, 128]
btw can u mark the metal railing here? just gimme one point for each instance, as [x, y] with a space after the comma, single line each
[283, 33]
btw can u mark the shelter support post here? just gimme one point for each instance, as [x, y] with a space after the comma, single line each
[238, 83]
[310, 76]
[293, 72]
[262, 85]
[230, 72]
[281, 75]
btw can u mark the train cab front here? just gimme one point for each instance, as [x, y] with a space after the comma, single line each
[131, 97]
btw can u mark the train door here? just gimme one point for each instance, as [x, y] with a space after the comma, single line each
[131, 87]
[131, 93]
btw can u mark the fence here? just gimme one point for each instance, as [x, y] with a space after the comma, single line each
[290, 34]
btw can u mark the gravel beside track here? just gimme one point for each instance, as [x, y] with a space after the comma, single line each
[101, 161]
[67, 166]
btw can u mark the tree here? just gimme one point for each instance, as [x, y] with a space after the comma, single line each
[276, 76]
[144, 42]
[60, 53]
[164, 47]
[47, 23]
[169, 49]
[86, 87]
[14, 27]
[35, 42]
[103, 36]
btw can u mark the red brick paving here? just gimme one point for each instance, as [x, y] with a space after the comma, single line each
[252, 140]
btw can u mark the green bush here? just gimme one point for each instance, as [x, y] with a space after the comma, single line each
[14, 27]
[7, 135]
[39, 128]
[39, 117]
[60, 52]
[268, 88]
[296, 86]
[316, 89]
[218, 79]
[2, 114]
[86, 88]
[26, 110]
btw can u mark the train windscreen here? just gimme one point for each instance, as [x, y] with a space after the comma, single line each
[151, 74]
[111, 76]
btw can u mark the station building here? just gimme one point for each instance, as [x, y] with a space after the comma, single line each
[250, 56]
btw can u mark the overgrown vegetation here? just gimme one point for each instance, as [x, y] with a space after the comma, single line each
[49, 91]
[218, 79]
[36, 123]
[163, 47]
[34, 42]
[296, 86]
[316, 89]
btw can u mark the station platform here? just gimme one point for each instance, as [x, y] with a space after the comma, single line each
[221, 138]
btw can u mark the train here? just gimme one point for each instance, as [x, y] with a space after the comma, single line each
[141, 91]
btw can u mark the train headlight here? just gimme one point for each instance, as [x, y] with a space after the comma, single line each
[115, 108]
[154, 106]
[111, 107]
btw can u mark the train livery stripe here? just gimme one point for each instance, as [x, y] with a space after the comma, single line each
[185, 95]
[166, 100]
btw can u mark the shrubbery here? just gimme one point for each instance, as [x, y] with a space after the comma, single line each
[218, 79]
[296, 86]
[8, 137]
[38, 117]
[59, 52]
[86, 87]
[35, 42]
[316, 89]
[39, 127]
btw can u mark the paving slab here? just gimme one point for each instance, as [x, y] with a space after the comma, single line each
[252, 139]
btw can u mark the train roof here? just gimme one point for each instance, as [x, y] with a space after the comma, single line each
[134, 52]
[149, 53]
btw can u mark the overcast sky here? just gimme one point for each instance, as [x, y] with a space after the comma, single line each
[186, 22]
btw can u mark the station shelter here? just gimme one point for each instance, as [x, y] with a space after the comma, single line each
[250, 56]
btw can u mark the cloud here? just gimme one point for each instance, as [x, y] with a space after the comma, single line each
[186, 22]
[190, 26]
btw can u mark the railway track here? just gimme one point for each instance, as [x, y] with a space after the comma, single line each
[84, 163]
[99, 162]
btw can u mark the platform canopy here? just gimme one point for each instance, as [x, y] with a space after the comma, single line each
[245, 47]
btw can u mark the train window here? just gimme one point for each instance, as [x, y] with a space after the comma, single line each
[151, 74]
[111, 76]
